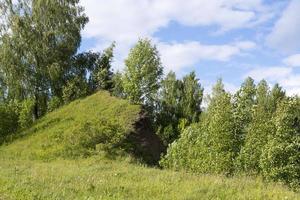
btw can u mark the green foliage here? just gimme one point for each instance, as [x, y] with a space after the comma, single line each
[86, 137]
[37, 41]
[169, 109]
[101, 76]
[118, 89]
[281, 156]
[142, 74]
[188, 152]
[276, 96]
[220, 127]
[2, 87]
[210, 146]
[257, 137]
[178, 105]
[244, 100]
[8, 119]
[15, 115]
[26, 113]
[54, 103]
[75, 88]
[258, 131]
[191, 98]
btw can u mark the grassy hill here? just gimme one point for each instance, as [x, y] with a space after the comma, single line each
[97, 124]
[88, 150]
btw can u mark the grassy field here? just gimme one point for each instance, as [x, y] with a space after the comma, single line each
[100, 178]
[60, 158]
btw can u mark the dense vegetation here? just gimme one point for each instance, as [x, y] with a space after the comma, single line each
[264, 141]
[255, 131]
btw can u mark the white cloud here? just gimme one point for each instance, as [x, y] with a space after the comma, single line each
[176, 56]
[293, 91]
[124, 21]
[285, 34]
[285, 76]
[270, 73]
[293, 60]
[291, 80]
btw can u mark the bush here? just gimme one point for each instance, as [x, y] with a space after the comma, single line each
[75, 88]
[167, 134]
[8, 119]
[187, 152]
[26, 113]
[54, 103]
[82, 139]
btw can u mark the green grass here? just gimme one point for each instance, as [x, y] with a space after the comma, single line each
[98, 178]
[58, 158]
[76, 129]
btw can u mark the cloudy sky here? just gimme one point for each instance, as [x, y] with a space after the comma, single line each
[231, 39]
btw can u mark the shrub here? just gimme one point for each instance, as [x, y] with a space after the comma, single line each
[26, 113]
[82, 139]
[75, 88]
[54, 103]
[188, 152]
[8, 119]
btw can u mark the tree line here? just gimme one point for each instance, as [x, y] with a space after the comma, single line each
[254, 131]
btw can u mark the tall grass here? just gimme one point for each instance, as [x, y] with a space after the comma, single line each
[99, 178]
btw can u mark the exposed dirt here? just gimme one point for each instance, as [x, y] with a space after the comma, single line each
[146, 145]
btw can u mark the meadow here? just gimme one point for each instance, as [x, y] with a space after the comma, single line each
[58, 159]
[102, 178]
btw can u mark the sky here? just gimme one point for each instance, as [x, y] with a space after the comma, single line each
[228, 39]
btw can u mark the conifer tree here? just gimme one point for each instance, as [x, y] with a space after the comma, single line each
[179, 105]
[102, 75]
[192, 94]
[118, 89]
[276, 96]
[169, 110]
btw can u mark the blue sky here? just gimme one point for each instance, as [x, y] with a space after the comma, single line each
[231, 39]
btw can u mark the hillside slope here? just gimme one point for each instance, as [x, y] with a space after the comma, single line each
[97, 124]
